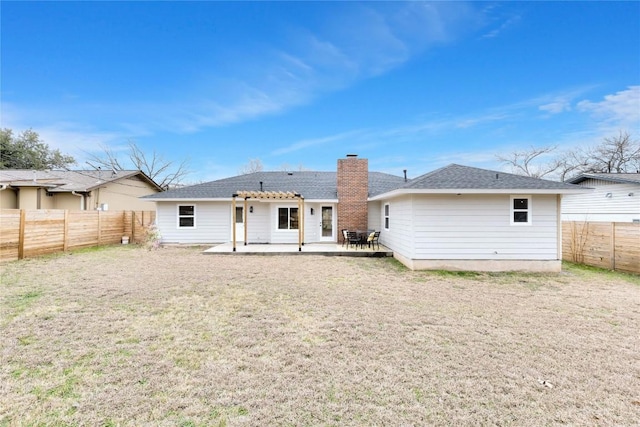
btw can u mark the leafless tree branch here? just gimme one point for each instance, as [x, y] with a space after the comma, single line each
[164, 172]
[616, 154]
[525, 162]
[254, 165]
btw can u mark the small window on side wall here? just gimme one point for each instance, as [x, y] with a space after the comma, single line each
[386, 216]
[186, 216]
[520, 210]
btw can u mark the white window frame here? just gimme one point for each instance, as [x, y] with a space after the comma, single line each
[186, 216]
[288, 208]
[386, 215]
[528, 210]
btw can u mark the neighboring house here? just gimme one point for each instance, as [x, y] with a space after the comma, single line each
[75, 190]
[616, 198]
[456, 217]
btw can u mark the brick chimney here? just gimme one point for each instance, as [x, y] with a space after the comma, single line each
[353, 192]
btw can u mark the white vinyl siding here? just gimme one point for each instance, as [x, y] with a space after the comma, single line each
[213, 220]
[375, 216]
[471, 227]
[258, 223]
[400, 238]
[596, 206]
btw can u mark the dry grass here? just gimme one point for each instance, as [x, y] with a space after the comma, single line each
[124, 336]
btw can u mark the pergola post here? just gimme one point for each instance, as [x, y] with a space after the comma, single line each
[244, 213]
[233, 220]
[304, 218]
[300, 224]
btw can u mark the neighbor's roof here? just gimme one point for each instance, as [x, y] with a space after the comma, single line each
[623, 178]
[66, 181]
[466, 179]
[310, 185]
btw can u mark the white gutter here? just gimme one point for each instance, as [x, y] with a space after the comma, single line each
[224, 199]
[402, 192]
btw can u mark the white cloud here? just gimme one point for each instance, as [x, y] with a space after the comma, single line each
[556, 107]
[359, 42]
[71, 138]
[306, 143]
[621, 109]
[353, 41]
[504, 25]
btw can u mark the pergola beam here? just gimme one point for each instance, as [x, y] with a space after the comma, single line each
[268, 195]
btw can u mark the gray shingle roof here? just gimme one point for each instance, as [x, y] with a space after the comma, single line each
[323, 185]
[311, 185]
[457, 177]
[66, 181]
[632, 178]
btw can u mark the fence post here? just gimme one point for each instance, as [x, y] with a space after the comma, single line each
[23, 218]
[133, 227]
[99, 227]
[65, 243]
[612, 243]
[573, 243]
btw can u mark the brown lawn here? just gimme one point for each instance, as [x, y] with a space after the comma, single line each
[124, 336]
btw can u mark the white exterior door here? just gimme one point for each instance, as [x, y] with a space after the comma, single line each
[327, 232]
[239, 224]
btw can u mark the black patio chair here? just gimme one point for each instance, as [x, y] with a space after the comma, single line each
[345, 238]
[373, 239]
[353, 239]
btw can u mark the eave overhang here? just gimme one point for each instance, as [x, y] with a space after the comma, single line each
[227, 199]
[406, 192]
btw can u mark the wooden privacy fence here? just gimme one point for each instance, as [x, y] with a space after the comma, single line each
[612, 245]
[29, 233]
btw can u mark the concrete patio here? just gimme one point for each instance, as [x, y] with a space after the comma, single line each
[327, 249]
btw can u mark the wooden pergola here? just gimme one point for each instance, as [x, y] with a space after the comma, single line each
[267, 195]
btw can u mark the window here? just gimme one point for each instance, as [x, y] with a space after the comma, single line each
[287, 218]
[521, 210]
[386, 216]
[239, 215]
[186, 216]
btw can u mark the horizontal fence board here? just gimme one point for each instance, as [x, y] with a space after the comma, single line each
[47, 231]
[615, 246]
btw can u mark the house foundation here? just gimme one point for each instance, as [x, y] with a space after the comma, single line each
[485, 265]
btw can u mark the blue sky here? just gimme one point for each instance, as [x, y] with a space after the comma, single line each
[407, 85]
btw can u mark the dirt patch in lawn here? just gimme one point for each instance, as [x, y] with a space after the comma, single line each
[125, 336]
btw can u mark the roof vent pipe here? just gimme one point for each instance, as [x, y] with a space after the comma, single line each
[497, 176]
[405, 175]
[261, 186]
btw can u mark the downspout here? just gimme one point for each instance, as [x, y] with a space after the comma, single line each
[82, 207]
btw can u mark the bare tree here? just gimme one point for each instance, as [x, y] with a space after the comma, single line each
[165, 173]
[570, 163]
[254, 165]
[616, 154]
[527, 162]
[613, 155]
